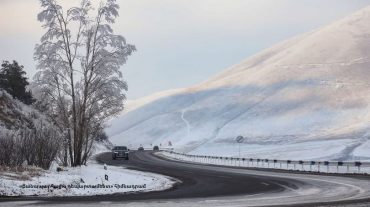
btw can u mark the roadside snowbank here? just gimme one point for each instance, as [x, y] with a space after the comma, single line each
[82, 181]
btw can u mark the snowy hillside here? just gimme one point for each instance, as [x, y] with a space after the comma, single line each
[307, 97]
[15, 115]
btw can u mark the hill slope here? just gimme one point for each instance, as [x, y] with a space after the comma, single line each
[15, 115]
[307, 97]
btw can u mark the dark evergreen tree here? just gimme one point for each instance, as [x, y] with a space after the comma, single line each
[13, 81]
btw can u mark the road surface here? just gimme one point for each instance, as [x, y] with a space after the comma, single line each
[206, 185]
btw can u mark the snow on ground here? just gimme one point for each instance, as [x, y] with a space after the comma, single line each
[84, 180]
[314, 150]
[307, 97]
[363, 151]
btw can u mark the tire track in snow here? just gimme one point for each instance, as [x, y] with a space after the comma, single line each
[185, 121]
[265, 95]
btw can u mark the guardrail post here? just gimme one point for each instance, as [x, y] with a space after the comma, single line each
[358, 165]
[311, 164]
[301, 163]
[337, 169]
[327, 166]
[339, 164]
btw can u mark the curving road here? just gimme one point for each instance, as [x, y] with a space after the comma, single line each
[197, 181]
[206, 185]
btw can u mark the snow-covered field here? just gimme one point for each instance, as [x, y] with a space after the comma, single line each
[84, 180]
[305, 98]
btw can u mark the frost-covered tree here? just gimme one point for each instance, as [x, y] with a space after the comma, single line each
[79, 75]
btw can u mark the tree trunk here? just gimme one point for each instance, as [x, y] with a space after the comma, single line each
[65, 161]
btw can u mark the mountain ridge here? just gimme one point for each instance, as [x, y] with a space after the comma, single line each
[309, 90]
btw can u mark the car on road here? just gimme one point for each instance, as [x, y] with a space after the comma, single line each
[120, 152]
[156, 148]
[140, 149]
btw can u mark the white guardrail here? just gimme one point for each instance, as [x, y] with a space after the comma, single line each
[298, 165]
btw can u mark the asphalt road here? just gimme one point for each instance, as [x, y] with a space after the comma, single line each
[206, 185]
[197, 181]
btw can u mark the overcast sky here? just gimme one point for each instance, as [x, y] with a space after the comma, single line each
[182, 42]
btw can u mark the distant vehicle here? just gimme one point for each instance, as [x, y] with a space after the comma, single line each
[120, 152]
[140, 149]
[156, 148]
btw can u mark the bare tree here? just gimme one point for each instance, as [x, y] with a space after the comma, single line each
[79, 61]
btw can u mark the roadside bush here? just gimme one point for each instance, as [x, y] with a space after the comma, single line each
[37, 146]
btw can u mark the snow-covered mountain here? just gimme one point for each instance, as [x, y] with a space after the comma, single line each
[307, 97]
